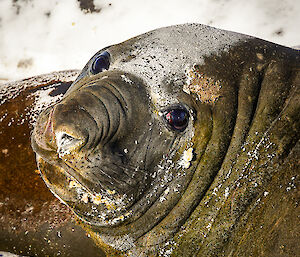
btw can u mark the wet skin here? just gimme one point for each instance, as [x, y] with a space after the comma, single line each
[160, 147]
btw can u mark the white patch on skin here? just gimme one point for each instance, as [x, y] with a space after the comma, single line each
[122, 243]
[210, 224]
[100, 199]
[291, 185]
[43, 98]
[74, 184]
[126, 79]
[65, 143]
[163, 197]
[226, 194]
[111, 192]
[85, 198]
[111, 205]
[115, 220]
[105, 199]
[4, 151]
[186, 158]
[3, 117]
[167, 249]
[97, 199]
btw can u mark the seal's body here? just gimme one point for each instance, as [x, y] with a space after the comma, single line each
[32, 221]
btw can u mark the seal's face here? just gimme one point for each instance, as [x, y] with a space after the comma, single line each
[139, 136]
[106, 150]
[120, 148]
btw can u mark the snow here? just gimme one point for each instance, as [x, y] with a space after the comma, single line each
[44, 36]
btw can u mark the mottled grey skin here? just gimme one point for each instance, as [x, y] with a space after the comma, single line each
[141, 187]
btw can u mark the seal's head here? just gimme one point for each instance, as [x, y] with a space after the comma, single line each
[122, 133]
[140, 135]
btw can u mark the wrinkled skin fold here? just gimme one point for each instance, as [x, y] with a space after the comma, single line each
[146, 182]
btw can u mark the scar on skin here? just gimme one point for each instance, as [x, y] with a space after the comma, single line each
[206, 88]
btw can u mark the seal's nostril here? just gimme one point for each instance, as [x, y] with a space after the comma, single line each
[66, 143]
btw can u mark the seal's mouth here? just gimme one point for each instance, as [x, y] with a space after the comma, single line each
[106, 208]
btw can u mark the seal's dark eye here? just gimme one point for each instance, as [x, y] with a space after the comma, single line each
[100, 63]
[177, 118]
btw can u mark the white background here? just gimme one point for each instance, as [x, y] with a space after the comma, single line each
[41, 36]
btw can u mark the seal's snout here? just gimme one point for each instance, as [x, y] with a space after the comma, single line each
[73, 126]
[84, 120]
[64, 128]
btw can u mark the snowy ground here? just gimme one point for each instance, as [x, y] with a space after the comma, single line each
[42, 36]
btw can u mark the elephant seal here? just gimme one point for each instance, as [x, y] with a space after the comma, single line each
[183, 141]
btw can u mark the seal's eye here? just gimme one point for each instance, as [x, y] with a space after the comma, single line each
[177, 118]
[100, 63]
